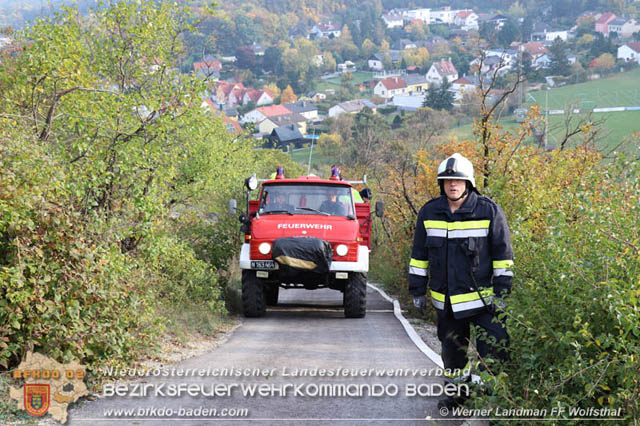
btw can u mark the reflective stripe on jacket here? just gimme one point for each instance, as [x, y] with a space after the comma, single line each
[449, 247]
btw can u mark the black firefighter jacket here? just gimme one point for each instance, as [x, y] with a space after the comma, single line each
[465, 256]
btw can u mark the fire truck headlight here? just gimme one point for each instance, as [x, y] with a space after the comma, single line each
[342, 250]
[264, 248]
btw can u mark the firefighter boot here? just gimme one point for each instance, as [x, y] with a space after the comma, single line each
[460, 395]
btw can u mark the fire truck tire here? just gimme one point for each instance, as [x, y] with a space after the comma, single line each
[253, 300]
[271, 293]
[355, 296]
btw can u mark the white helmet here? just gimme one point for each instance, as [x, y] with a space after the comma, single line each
[456, 167]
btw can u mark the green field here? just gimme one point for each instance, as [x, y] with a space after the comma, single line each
[618, 90]
[621, 89]
[618, 128]
[334, 83]
[319, 164]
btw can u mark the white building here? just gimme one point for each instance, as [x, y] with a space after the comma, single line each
[375, 62]
[351, 107]
[389, 87]
[630, 52]
[422, 14]
[466, 20]
[443, 16]
[393, 20]
[462, 86]
[440, 70]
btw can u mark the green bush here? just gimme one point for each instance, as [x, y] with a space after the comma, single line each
[573, 315]
[65, 291]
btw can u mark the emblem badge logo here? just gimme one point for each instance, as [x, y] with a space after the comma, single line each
[36, 399]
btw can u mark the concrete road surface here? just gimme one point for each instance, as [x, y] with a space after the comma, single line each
[305, 333]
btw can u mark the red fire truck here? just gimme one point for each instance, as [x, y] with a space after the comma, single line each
[305, 232]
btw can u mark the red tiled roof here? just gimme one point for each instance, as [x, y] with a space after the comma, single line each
[274, 110]
[445, 68]
[635, 45]
[464, 14]
[462, 80]
[197, 66]
[255, 95]
[227, 88]
[239, 93]
[605, 18]
[230, 121]
[535, 48]
[392, 83]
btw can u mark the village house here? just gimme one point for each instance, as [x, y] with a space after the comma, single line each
[346, 66]
[441, 70]
[352, 107]
[283, 136]
[535, 49]
[423, 15]
[403, 44]
[393, 20]
[629, 52]
[462, 86]
[496, 21]
[222, 92]
[602, 23]
[305, 108]
[258, 97]
[325, 30]
[631, 26]
[466, 20]
[266, 126]
[544, 32]
[207, 69]
[376, 61]
[316, 96]
[443, 16]
[388, 87]
[416, 83]
[259, 114]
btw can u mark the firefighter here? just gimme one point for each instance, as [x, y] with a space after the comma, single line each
[462, 248]
[332, 205]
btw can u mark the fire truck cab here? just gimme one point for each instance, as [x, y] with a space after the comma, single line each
[306, 232]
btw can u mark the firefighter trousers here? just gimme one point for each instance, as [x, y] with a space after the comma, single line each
[454, 335]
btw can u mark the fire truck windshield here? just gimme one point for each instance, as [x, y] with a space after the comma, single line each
[334, 200]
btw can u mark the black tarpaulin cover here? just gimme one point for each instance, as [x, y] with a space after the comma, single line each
[303, 253]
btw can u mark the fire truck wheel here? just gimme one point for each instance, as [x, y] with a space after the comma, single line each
[271, 294]
[253, 300]
[355, 296]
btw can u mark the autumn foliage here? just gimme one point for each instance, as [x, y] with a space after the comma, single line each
[573, 217]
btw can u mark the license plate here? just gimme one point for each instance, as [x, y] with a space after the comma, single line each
[263, 264]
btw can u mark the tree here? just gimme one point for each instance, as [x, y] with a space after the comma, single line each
[245, 58]
[110, 173]
[559, 61]
[368, 48]
[288, 96]
[272, 59]
[509, 33]
[328, 62]
[604, 62]
[439, 97]
[273, 89]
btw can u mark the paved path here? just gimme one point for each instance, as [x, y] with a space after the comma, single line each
[307, 330]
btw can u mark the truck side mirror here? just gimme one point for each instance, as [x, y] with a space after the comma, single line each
[379, 208]
[233, 206]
